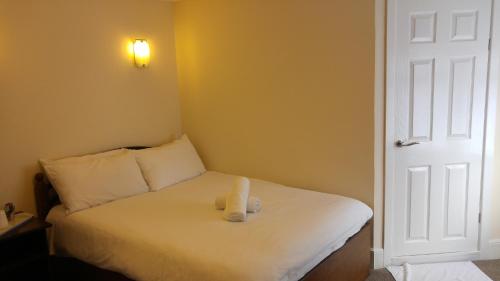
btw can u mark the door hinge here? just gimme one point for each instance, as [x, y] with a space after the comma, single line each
[479, 218]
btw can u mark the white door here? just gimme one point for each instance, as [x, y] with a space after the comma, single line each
[439, 62]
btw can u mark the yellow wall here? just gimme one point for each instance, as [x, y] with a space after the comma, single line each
[281, 92]
[67, 86]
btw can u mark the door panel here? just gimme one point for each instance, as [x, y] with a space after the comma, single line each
[461, 94]
[417, 206]
[455, 207]
[441, 65]
[421, 97]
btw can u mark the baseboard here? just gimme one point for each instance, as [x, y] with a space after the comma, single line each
[377, 258]
[448, 257]
[493, 250]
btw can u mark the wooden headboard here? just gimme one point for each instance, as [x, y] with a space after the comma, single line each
[46, 196]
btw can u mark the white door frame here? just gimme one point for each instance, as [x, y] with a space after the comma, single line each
[379, 135]
[490, 249]
[486, 245]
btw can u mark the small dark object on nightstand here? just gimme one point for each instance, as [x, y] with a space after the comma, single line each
[10, 210]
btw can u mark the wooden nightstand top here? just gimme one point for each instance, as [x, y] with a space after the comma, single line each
[34, 224]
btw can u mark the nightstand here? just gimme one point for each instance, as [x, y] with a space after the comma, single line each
[24, 253]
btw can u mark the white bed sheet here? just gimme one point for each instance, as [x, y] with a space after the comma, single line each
[176, 234]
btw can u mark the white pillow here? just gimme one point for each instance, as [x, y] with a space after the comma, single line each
[170, 163]
[87, 181]
[83, 157]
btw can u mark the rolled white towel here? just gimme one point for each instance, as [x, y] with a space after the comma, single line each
[253, 205]
[237, 199]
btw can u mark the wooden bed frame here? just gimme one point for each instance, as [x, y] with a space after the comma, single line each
[349, 263]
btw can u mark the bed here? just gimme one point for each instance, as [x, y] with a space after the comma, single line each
[176, 234]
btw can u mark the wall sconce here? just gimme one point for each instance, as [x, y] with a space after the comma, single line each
[141, 53]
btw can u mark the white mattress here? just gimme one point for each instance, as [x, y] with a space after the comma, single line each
[176, 234]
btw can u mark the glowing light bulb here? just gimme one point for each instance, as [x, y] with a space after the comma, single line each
[141, 52]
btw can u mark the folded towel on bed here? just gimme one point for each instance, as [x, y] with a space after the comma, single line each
[253, 205]
[237, 199]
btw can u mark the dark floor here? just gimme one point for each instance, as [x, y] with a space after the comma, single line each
[491, 268]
